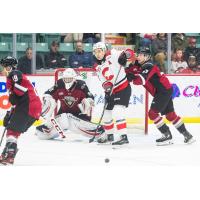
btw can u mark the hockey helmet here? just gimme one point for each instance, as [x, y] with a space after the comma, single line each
[69, 76]
[99, 50]
[99, 45]
[146, 52]
[9, 61]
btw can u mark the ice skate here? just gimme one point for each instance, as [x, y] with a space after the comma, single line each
[123, 140]
[43, 128]
[166, 139]
[8, 154]
[189, 139]
[106, 138]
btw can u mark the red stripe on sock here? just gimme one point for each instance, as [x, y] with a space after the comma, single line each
[176, 120]
[108, 127]
[121, 126]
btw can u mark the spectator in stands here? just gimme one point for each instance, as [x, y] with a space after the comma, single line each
[91, 37]
[146, 39]
[192, 50]
[192, 63]
[54, 59]
[25, 62]
[71, 37]
[159, 48]
[178, 62]
[179, 41]
[80, 58]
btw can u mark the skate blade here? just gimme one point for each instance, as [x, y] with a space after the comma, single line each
[169, 142]
[105, 143]
[191, 141]
[120, 146]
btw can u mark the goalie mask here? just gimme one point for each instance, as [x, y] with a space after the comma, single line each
[69, 77]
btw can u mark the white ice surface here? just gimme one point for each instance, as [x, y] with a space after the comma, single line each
[75, 150]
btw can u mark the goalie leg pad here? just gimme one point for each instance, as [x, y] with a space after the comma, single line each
[83, 127]
[45, 133]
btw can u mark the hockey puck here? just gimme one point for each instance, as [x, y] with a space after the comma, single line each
[107, 160]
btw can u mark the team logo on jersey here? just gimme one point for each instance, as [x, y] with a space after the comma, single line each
[106, 74]
[69, 100]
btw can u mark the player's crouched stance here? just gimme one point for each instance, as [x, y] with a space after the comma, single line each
[144, 72]
[27, 108]
[75, 110]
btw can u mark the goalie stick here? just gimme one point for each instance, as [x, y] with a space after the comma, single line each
[105, 105]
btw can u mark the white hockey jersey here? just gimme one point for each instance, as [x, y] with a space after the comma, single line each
[111, 71]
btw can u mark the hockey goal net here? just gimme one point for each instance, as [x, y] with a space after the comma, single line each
[136, 113]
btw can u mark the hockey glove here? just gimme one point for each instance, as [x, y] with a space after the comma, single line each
[107, 97]
[130, 76]
[122, 59]
[7, 118]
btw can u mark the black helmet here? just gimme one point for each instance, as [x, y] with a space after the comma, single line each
[9, 61]
[144, 50]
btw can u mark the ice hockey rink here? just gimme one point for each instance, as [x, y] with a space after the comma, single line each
[75, 150]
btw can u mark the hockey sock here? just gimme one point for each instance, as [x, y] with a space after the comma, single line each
[176, 121]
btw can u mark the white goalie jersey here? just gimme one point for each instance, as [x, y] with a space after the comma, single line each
[110, 69]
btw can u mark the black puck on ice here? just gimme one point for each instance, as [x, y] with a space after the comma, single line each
[107, 160]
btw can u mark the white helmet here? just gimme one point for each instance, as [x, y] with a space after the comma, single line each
[99, 45]
[69, 76]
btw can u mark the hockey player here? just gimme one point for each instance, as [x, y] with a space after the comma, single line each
[117, 91]
[75, 110]
[144, 72]
[27, 107]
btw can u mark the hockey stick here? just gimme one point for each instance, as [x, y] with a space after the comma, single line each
[4, 131]
[3, 135]
[104, 107]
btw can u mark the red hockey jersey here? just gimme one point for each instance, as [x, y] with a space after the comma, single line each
[23, 95]
[149, 76]
[69, 99]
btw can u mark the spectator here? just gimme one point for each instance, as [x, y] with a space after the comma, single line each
[192, 50]
[145, 39]
[71, 37]
[178, 62]
[192, 63]
[80, 58]
[25, 62]
[179, 41]
[91, 37]
[159, 47]
[54, 59]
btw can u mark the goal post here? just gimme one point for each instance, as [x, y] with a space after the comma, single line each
[137, 111]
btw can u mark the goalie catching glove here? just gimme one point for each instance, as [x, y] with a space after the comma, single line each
[86, 106]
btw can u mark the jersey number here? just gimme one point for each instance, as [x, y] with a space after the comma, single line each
[15, 78]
